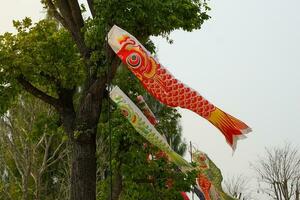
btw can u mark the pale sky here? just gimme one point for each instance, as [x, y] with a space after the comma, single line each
[245, 60]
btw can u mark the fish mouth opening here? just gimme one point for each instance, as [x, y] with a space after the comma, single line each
[114, 33]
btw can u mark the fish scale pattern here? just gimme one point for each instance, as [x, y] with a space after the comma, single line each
[174, 93]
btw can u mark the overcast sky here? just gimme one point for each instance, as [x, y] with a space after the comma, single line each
[245, 60]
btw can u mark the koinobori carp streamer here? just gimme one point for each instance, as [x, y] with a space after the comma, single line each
[210, 178]
[162, 85]
[144, 127]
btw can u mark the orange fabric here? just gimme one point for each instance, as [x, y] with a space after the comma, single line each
[205, 185]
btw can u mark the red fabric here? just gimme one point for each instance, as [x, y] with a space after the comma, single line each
[167, 89]
[185, 197]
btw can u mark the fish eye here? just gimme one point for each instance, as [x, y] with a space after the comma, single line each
[134, 60]
[133, 57]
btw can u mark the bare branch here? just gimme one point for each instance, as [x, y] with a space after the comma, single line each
[56, 151]
[40, 141]
[279, 170]
[60, 156]
[46, 155]
[237, 187]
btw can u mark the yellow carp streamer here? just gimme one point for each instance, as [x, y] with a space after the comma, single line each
[143, 126]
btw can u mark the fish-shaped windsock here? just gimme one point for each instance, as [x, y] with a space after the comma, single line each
[144, 127]
[167, 89]
[210, 178]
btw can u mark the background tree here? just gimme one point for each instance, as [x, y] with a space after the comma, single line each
[238, 187]
[31, 149]
[65, 66]
[279, 172]
[170, 127]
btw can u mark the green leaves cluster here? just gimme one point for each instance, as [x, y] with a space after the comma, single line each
[44, 54]
[146, 18]
[143, 19]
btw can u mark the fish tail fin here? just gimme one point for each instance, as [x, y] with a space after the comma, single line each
[232, 128]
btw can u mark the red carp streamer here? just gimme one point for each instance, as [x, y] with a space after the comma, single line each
[161, 84]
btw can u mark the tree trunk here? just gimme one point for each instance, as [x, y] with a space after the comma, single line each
[83, 172]
[25, 178]
[297, 190]
[83, 156]
[38, 187]
[117, 184]
[81, 127]
[25, 188]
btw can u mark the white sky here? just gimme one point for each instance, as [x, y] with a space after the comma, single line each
[245, 60]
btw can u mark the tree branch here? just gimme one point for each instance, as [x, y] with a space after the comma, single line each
[55, 13]
[76, 13]
[69, 15]
[56, 151]
[72, 15]
[50, 78]
[37, 92]
[93, 94]
[114, 64]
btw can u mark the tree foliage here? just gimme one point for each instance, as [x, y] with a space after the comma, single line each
[33, 152]
[65, 63]
[40, 55]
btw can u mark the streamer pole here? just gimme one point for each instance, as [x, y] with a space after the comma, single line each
[191, 154]
[109, 113]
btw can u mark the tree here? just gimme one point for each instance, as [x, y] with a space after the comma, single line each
[238, 187]
[32, 147]
[170, 127]
[279, 171]
[66, 65]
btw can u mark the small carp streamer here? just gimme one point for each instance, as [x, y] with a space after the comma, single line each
[210, 177]
[167, 89]
[141, 103]
[144, 127]
[208, 182]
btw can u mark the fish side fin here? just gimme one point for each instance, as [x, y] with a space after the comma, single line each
[232, 128]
